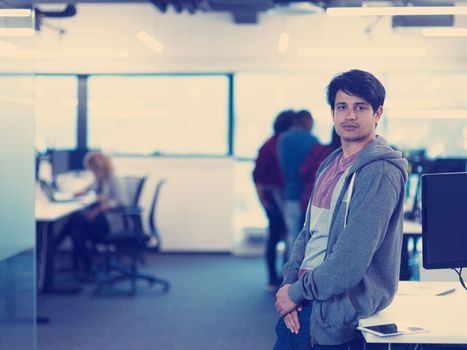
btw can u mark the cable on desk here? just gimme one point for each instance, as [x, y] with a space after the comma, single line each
[461, 280]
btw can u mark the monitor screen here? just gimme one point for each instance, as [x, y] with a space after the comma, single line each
[59, 162]
[444, 220]
[448, 165]
[76, 159]
[67, 160]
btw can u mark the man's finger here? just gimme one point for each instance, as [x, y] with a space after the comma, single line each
[277, 306]
[290, 324]
[295, 320]
[287, 323]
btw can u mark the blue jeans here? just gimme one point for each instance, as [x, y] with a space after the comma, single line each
[277, 231]
[286, 340]
[294, 220]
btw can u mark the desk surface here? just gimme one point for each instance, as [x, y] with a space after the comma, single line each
[445, 317]
[46, 211]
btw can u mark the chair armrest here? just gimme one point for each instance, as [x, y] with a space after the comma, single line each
[127, 211]
[131, 211]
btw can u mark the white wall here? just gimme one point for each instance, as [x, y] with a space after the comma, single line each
[195, 207]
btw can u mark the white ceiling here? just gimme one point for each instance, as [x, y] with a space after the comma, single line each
[211, 42]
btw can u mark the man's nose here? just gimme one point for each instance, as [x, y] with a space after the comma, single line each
[351, 114]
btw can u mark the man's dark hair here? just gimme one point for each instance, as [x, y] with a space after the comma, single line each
[357, 83]
[304, 114]
[304, 118]
[283, 121]
[335, 139]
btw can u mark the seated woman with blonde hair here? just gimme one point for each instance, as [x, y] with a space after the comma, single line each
[94, 223]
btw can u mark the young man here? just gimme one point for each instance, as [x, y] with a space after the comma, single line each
[345, 262]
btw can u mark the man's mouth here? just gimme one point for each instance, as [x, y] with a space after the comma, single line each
[349, 127]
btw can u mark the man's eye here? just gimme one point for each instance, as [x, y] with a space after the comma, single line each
[340, 107]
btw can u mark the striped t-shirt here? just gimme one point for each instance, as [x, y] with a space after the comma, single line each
[321, 208]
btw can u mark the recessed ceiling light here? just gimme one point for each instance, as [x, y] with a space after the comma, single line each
[15, 12]
[342, 52]
[149, 41]
[444, 32]
[397, 11]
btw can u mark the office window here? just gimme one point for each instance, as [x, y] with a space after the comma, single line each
[260, 97]
[427, 111]
[158, 114]
[56, 111]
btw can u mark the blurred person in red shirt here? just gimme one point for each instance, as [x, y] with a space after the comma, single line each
[269, 185]
[311, 164]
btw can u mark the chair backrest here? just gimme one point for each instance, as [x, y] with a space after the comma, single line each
[152, 212]
[134, 187]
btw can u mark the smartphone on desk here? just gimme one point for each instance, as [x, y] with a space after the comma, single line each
[392, 329]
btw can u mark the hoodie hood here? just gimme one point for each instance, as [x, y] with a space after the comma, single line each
[378, 149]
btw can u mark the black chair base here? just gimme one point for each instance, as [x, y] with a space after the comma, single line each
[113, 272]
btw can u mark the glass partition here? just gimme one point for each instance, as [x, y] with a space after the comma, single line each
[17, 233]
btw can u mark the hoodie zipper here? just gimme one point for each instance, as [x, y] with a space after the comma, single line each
[349, 191]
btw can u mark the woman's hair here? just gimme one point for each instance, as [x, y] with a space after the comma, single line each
[100, 162]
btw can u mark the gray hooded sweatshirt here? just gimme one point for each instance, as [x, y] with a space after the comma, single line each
[360, 271]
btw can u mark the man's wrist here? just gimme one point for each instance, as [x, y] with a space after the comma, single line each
[295, 293]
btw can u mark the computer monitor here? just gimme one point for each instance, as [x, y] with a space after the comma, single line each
[444, 220]
[76, 159]
[59, 162]
[448, 165]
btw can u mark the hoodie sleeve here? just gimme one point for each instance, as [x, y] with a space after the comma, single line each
[372, 205]
[291, 267]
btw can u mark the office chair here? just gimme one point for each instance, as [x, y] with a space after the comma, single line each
[131, 243]
[131, 214]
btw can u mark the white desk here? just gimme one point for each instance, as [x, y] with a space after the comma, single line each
[46, 211]
[445, 316]
[46, 214]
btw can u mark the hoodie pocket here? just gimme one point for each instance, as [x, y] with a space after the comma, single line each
[338, 310]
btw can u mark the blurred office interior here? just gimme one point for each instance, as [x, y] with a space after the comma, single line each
[187, 91]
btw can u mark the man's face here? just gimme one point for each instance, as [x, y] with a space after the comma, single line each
[354, 118]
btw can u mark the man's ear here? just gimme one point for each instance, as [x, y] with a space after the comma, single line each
[378, 114]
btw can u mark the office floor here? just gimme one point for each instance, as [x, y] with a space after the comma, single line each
[215, 302]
